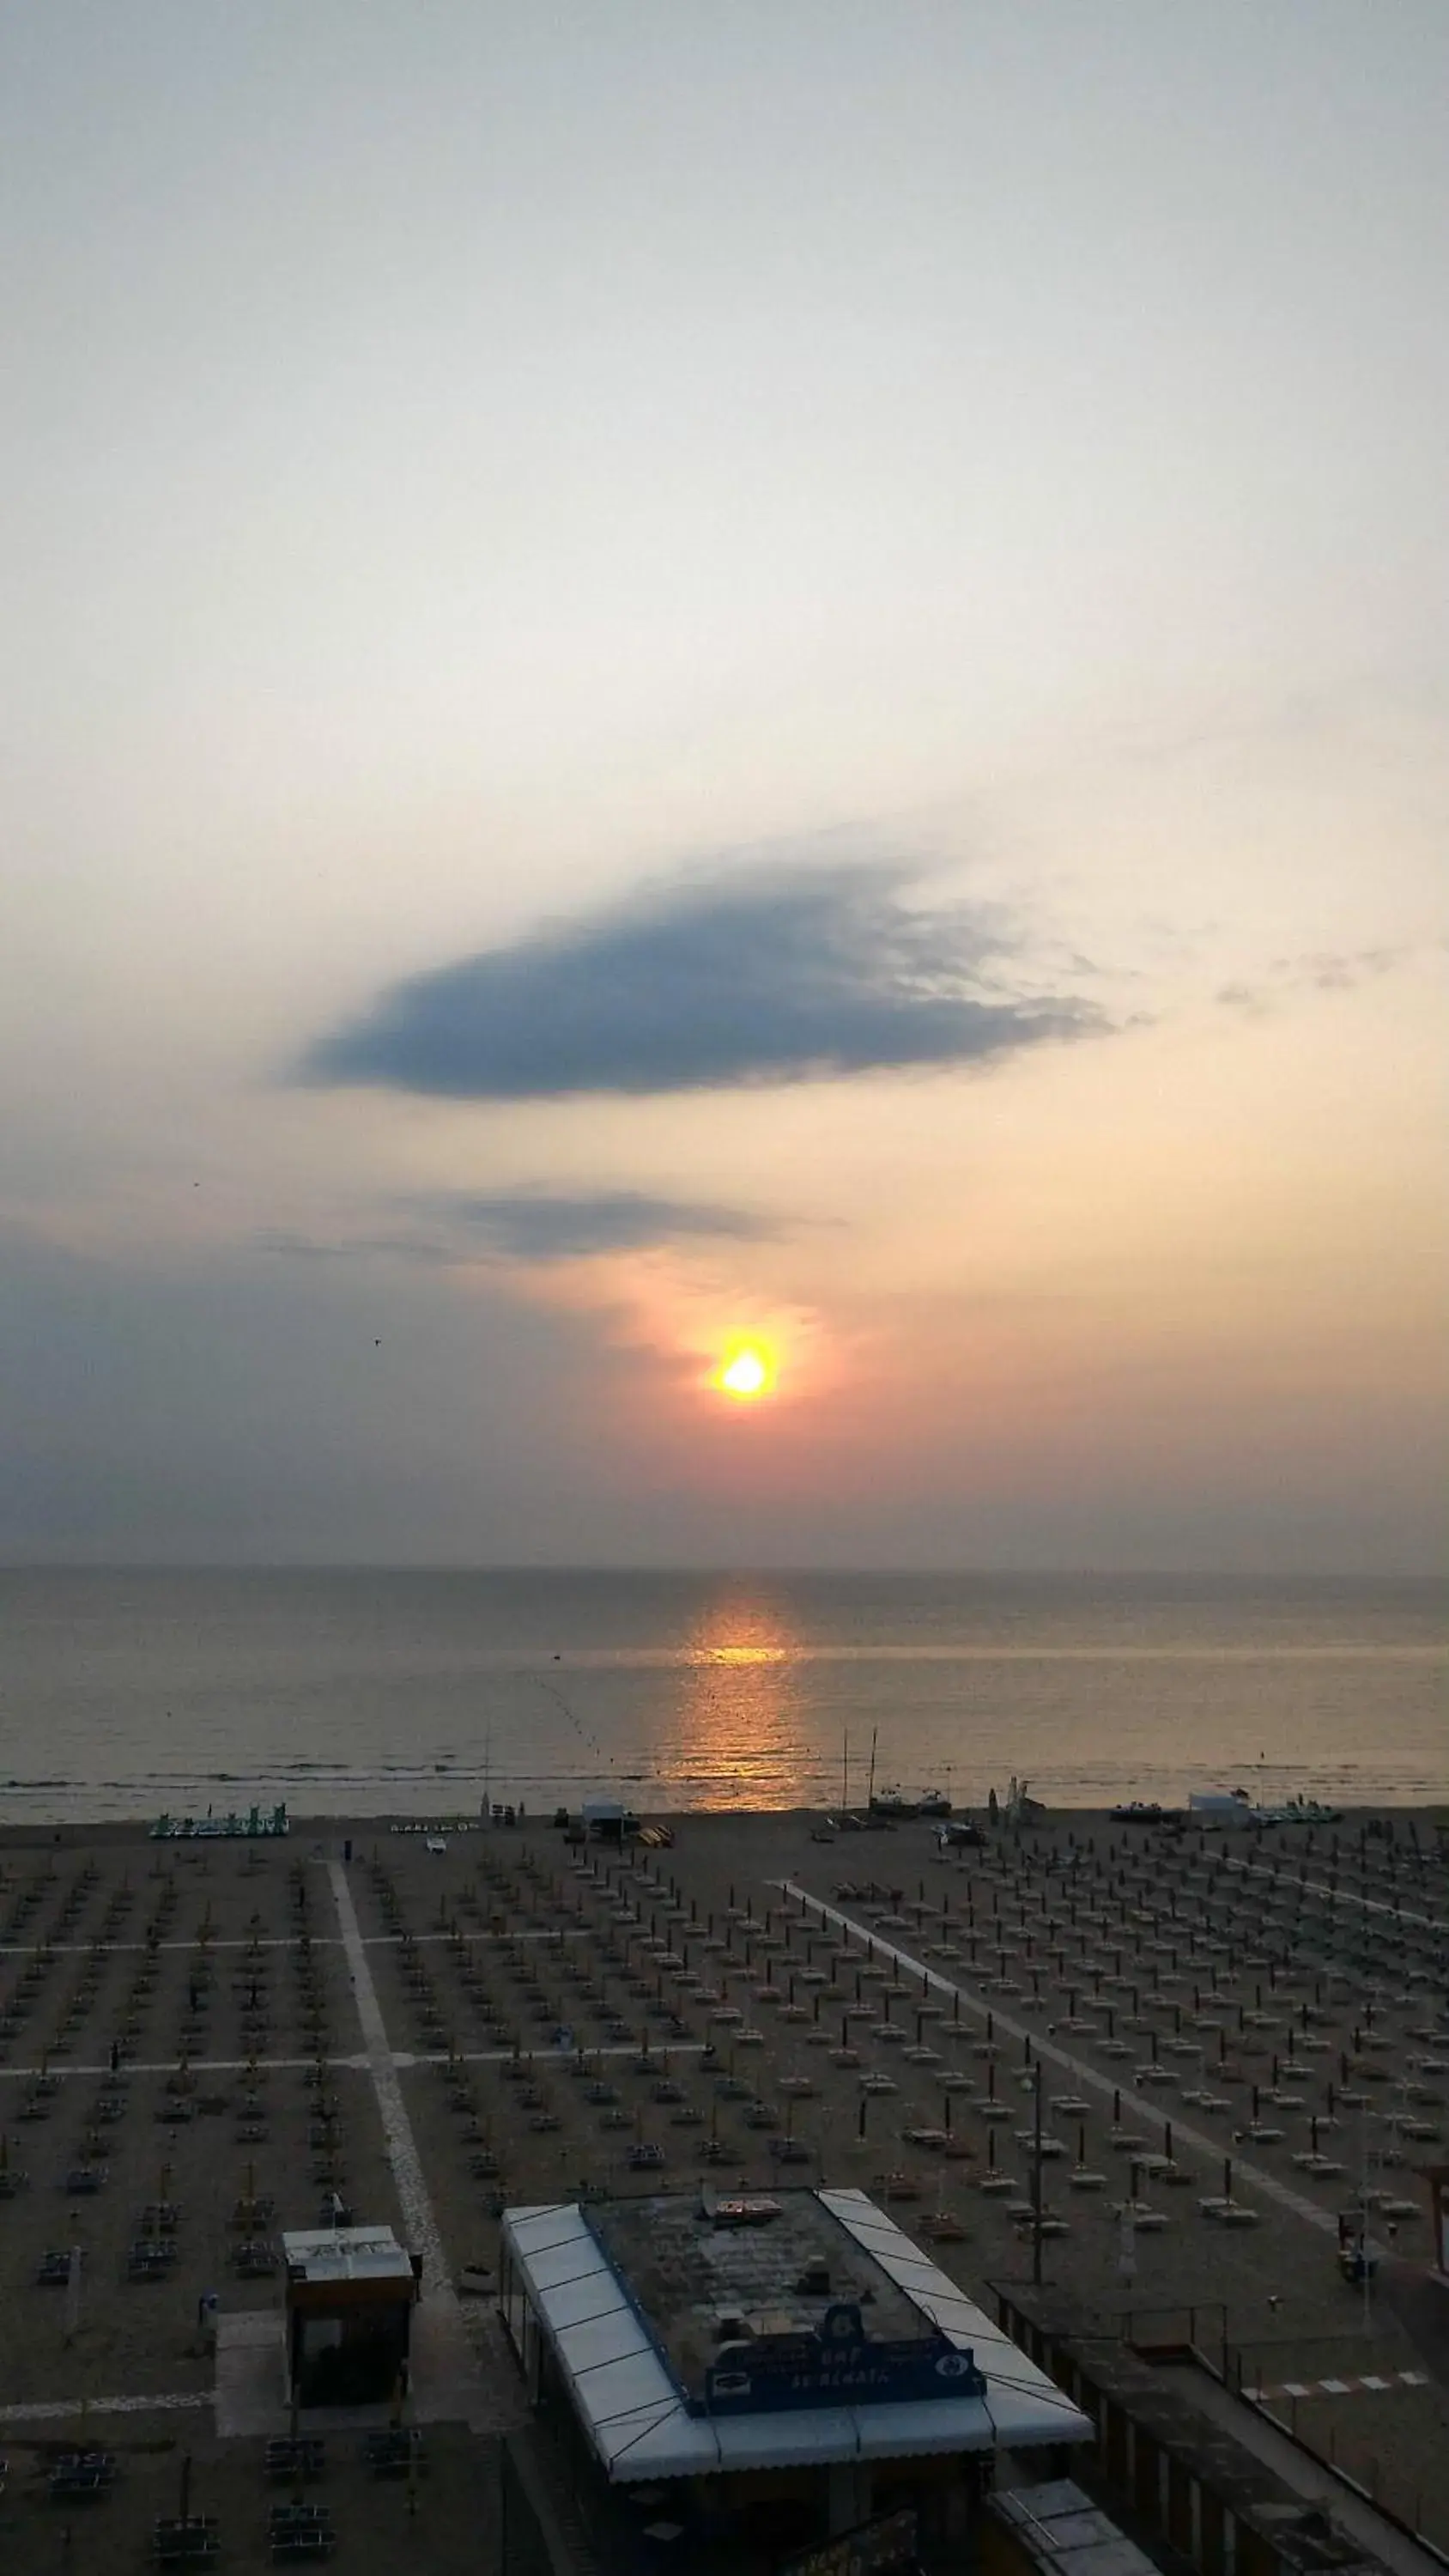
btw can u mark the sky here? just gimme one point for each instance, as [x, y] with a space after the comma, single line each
[682, 679]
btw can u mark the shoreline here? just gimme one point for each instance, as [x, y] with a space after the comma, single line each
[409, 1824]
[359, 1696]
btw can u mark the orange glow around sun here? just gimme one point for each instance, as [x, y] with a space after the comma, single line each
[746, 1371]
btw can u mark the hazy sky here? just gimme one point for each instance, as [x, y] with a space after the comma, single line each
[679, 669]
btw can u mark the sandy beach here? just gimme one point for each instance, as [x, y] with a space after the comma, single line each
[432, 2033]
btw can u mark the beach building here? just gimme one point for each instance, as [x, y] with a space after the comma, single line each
[351, 2292]
[758, 2376]
[1209, 2481]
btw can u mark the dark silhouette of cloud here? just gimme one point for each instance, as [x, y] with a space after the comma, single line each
[531, 1226]
[771, 976]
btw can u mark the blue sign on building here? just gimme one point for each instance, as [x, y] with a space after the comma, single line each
[836, 2364]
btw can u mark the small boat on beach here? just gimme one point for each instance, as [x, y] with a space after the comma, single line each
[253, 1826]
[894, 1804]
[1300, 1811]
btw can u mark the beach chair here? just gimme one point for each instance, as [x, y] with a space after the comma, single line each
[196, 2542]
[286, 2459]
[82, 2477]
[394, 2450]
[300, 2531]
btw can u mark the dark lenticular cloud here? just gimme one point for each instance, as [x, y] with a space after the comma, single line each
[770, 976]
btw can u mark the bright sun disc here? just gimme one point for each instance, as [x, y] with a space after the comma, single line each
[746, 1373]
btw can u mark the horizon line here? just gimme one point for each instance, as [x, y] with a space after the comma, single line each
[718, 1570]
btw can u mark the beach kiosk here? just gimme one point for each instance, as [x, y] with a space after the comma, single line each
[608, 1820]
[783, 2373]
[351, 2292]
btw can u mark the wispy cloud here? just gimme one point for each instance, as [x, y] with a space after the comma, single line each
[1319, 970]
[538, 1225]
[531, 1226]
[773, 975]
[292, 1243]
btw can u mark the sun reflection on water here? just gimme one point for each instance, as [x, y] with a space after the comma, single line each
[738, 1712]
[739, 1655]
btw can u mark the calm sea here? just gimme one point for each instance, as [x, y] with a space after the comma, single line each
[417, 1693]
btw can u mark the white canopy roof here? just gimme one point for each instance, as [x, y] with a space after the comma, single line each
[635, 2414]
[1062, 2530]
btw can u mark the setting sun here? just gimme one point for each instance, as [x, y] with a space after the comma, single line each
[747, 1370]
[746, 1375]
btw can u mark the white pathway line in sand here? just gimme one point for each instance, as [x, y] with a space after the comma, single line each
[359, 2059]
[445, 2367]
[1285, 1877]
[394, 1940]
[194, 2066]
[397, 2128]
[105, 1949]
[1265, 2183]
[535, 2056]
[59, 2409]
